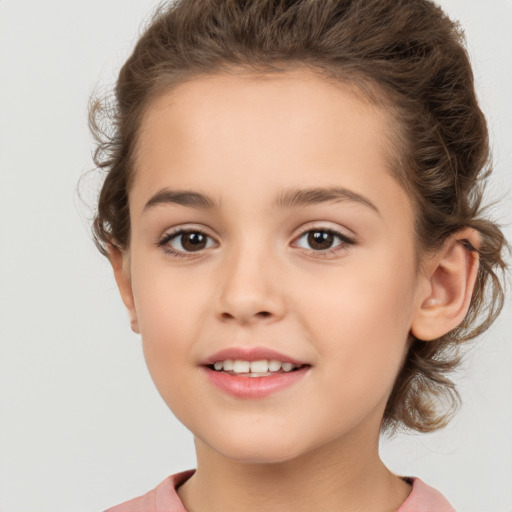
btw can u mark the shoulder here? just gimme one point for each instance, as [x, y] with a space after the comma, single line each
[424, 498]
[163, 498]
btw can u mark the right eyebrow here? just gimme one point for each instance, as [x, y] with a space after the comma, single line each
[181, 197]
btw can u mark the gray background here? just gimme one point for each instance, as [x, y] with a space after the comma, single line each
[81, 425]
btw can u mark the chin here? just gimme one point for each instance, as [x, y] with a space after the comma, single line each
[257, 448]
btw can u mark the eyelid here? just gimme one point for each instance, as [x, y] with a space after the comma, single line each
[344, 233]
[184, 228]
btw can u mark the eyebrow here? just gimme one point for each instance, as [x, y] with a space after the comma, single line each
[292, 198]
[296, 198]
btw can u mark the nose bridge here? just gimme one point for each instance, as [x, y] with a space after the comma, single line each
[248, 285]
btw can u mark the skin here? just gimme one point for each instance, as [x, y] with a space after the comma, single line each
[243, 140]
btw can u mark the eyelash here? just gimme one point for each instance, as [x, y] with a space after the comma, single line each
[344, 241]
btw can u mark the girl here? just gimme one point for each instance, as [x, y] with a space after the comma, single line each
[292, 213]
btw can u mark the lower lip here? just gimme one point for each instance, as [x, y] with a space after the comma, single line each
[254, 387]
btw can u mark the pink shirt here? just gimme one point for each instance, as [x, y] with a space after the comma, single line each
[164, 498]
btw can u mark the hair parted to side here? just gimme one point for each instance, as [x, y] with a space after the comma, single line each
[407, 55]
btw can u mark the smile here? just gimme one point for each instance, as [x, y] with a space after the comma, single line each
[253, 373]
[261, 368]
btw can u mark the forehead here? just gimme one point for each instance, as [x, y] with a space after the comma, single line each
[279, 107]
[298, 96]
[288, 129]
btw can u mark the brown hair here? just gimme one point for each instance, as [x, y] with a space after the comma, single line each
[406, 54]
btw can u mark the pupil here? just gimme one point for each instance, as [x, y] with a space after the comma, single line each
[193, 241]
[320, 239]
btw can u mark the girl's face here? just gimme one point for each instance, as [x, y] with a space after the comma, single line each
[264, 216]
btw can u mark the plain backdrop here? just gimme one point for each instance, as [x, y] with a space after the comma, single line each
[81, 424]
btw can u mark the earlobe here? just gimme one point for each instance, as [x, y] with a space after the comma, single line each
[121, 268]
[451, 276]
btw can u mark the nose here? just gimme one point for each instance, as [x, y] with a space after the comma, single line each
[249, 289]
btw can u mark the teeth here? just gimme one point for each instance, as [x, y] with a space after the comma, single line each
[241, 366]
[274, 366]
[287, 367]
[260, 368]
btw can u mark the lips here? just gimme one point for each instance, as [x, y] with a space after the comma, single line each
[232, 371]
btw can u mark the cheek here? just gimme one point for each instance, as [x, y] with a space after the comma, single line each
[362, 326]
[169, 311]
[168, 300]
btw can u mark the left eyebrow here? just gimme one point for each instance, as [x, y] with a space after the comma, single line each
[292, 198]
[296, 198]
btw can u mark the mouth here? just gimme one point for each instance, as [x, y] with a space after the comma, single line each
[258, 368]
[251, 373]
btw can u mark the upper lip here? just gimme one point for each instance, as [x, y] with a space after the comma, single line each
[250, 354]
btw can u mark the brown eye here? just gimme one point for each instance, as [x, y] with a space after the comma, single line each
[320, 240]
[323, 240]
[193, 241]
[186, 241]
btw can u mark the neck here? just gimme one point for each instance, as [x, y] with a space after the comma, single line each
[338, 477]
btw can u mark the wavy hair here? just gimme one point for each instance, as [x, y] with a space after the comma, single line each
[404, 54]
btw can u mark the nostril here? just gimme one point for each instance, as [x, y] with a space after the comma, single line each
[260, 314]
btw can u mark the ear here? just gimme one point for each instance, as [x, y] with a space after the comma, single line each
[120, 262]
[450, 279]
